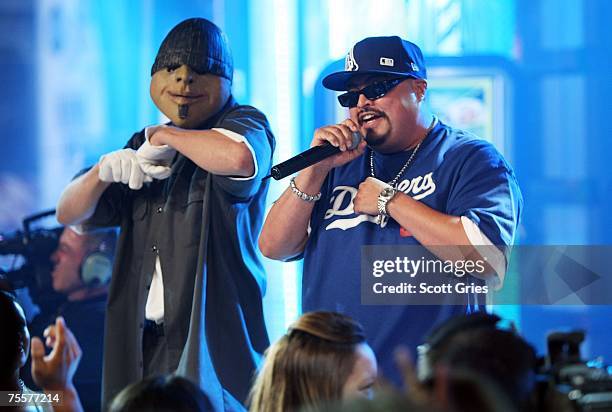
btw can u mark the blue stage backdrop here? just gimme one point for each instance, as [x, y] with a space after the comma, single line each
[533, 77]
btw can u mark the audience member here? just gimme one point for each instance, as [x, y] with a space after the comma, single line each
[464, 390]
[500, 356]
[53, 373]
[474, 344]
[387, 402]
[323, 357]
[161, 393]
[468, 363]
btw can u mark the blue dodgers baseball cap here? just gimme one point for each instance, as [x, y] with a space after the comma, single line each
[379, 55]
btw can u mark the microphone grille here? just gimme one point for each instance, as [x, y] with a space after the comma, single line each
[357, 137]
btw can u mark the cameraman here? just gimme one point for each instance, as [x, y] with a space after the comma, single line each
[82, 270]
[82, 267]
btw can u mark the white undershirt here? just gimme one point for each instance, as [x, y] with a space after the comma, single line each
[494, 257]
[154, 310]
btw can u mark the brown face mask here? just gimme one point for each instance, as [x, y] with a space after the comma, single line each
[192, 73]
[187, 98]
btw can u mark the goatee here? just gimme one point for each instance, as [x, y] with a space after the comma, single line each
[183, 111]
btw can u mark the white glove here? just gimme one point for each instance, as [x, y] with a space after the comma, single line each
[121, 166]
[155, 161]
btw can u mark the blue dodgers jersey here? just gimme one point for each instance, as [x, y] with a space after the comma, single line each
[453, 172]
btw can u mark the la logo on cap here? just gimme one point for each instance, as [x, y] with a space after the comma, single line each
[350, 65]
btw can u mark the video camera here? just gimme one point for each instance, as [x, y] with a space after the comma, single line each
[567, 383]
[35, 245]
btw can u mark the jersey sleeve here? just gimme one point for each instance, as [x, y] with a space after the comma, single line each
[486, 191]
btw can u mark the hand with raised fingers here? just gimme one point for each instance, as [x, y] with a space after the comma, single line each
[55, 370]
[412, 385]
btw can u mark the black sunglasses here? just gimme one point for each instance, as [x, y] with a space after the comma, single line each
[372, 92]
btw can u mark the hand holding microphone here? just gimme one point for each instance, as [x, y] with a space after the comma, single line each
[332, 146]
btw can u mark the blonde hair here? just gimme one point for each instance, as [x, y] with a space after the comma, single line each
[309, 365]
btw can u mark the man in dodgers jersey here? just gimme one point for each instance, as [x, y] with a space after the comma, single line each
[413, 180]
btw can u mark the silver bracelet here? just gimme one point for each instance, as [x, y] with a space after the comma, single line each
[304, 196]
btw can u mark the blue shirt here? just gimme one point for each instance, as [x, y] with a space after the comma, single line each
[453, 172]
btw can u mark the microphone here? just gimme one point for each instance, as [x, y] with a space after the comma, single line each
[308, 158]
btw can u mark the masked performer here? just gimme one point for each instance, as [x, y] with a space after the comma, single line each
[187, 284]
